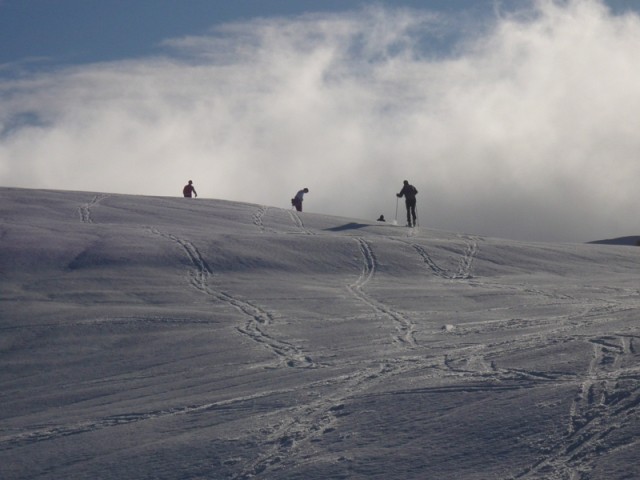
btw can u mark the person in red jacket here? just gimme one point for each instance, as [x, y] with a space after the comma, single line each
[189, 189]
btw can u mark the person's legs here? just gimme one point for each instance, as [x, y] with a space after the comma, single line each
[411, 212]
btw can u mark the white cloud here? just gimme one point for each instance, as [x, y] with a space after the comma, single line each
[527, 129]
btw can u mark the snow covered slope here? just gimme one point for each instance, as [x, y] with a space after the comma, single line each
[171, 338]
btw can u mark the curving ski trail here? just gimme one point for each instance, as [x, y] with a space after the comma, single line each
[465, 264]
[404, 326]
[257, 318]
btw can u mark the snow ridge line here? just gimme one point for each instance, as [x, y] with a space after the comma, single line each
[602, 415]
[405, 328]
[84, 210]
[258, 318]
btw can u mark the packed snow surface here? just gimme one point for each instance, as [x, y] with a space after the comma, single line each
[172, 338]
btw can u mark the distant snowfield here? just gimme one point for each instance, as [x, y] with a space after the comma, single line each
[172, 338]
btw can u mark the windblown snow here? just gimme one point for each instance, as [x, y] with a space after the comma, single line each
[171, 338]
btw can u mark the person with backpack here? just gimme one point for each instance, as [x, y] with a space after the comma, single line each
[409, 193]
[189, 189]
[297, 200]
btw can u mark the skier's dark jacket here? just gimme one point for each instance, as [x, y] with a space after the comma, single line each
[409, 192]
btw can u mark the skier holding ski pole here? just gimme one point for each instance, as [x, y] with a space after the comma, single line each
[409, 193]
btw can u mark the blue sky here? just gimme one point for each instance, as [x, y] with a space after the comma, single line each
[75, 31]
[513, 118]
[72, 31]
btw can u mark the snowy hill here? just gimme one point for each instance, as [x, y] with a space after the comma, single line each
[171, 338]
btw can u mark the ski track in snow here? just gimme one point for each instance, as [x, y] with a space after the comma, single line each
[259, 216]
[607, 402]
[258, 319]
[84, 210]
[306, 424]
[258, 219]
[465, 265]
[465, 270]
[608, 399]
[404, 326]
[295, 218]
[607, 396]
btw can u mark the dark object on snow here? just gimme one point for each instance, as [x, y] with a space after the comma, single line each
[297, 200]
[632, 240]
[409, 192]
[381, 219]
[189, 189]
[348, 226]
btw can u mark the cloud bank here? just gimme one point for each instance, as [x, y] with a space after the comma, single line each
[524, 125]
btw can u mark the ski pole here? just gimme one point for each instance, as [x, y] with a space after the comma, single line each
[396, 220]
